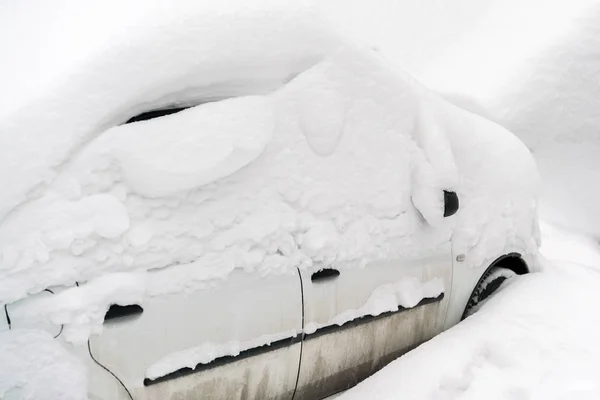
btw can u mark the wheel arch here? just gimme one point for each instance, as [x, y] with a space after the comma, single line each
[512, 261]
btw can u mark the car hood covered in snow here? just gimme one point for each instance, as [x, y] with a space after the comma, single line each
[300, 148]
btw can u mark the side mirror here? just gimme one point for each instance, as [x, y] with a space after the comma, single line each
[450, 203]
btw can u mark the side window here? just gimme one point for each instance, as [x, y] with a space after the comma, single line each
[155, 114]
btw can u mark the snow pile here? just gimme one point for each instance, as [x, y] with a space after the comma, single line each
[535, 339]
[35, 366]
[529, 65]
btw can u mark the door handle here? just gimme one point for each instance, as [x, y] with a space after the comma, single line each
[325, 274]
[116, 311]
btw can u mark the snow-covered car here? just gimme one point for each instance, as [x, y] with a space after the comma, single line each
[277, 220]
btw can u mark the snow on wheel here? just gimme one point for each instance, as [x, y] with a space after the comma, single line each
[488, 284]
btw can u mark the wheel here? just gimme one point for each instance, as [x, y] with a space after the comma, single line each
[487, 285]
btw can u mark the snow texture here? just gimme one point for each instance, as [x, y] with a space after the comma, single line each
[35, 366]
[70, 182]
[318, 151]
[534, 72]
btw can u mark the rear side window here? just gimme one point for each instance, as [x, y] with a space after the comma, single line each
[155, 114]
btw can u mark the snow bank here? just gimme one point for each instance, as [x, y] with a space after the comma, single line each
[35, 366]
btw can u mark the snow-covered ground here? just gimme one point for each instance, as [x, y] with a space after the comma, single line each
[536, 339]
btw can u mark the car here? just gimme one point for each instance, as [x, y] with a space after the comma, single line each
[283, 243]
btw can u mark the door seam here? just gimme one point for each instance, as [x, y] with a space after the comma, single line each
[301, 335]
[108, 370]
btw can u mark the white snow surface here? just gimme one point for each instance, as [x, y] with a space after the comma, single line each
[530, 65]
[535, 339]
[70, 76]
[303, 148]
[35, 366]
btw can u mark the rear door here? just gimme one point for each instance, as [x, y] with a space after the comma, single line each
[238, 338]
[359, 319]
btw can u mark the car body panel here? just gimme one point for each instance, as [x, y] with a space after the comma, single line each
[466, 277]
[363, 349]
[206, 326]
[327, 364]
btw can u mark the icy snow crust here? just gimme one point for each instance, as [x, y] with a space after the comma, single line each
[343, 164]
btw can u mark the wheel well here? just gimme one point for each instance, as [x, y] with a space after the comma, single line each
[512, 261]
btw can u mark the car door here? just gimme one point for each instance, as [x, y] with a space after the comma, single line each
[359, 319]
[237, 338]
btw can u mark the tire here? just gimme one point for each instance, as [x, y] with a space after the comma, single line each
[487, 285]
